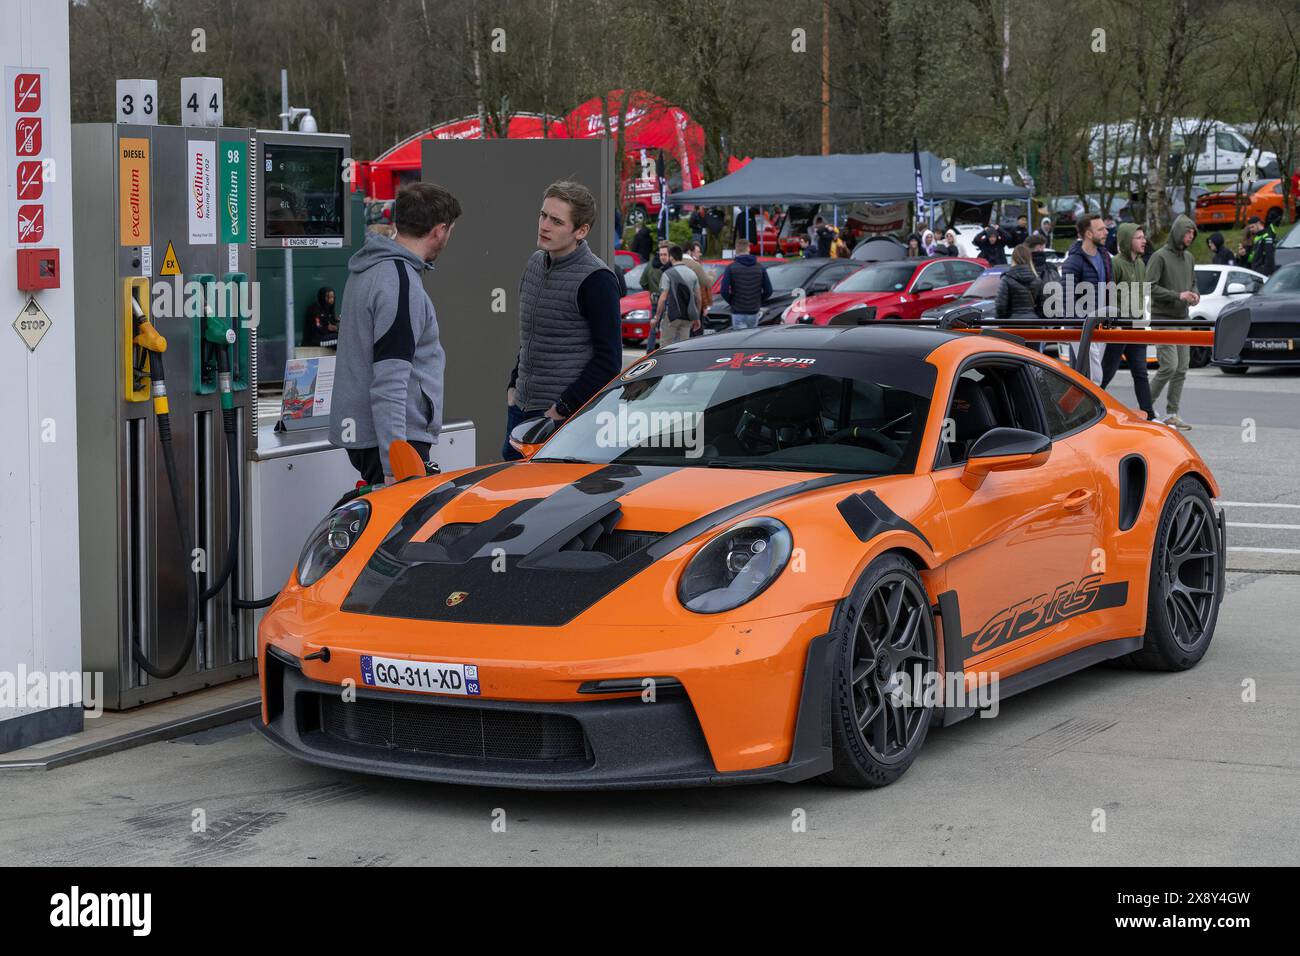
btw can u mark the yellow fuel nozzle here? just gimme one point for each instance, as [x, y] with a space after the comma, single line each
[149, 338]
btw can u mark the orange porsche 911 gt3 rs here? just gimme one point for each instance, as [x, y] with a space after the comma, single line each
[776, 554]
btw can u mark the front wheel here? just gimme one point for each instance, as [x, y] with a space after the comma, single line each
[1233, 369]
[1186, 582]
[636, 215]
[884, 657]
[1200, 356]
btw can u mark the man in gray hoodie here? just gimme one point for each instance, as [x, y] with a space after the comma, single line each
[1172, 274]
[388, 373]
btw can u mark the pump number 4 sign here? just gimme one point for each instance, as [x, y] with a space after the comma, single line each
[202, 103]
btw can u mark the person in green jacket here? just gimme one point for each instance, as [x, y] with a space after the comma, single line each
[1172, 274]
[652, 277]
[1130, 282]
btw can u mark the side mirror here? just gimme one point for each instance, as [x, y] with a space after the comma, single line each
[1236, 288]
[1004, 449]
[528, 437]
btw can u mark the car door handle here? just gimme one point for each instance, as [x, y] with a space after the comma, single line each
[951, 296]
[1077, 499]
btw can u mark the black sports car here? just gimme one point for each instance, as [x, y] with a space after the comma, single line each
[1263, 329]
[810, 275]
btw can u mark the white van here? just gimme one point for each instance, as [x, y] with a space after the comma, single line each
[1221, 152]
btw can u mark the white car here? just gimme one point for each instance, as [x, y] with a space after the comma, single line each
[1219, 285]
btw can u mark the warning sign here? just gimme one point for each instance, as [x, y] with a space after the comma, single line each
[171, 265]
[32, 324]
[27, 145]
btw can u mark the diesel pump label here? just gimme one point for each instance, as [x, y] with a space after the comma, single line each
[133, 191]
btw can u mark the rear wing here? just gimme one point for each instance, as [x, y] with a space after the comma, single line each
[1084, 331]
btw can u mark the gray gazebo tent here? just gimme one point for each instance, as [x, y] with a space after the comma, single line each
[844, 179]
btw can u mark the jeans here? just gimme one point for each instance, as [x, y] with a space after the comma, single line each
[1137, 365]
[1174, 360]
[745, 320]
[652, 339]
[514, 418]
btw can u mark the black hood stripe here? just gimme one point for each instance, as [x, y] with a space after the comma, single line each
[670, 542]
[540, 584]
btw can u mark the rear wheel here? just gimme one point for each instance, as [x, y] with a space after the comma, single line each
[1186, 583]
[886, 649]
[636, 215]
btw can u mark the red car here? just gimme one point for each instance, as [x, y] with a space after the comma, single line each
[901, 289]
[635, 306]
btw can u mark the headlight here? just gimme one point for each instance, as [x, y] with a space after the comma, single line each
[735, 567]
[637, 315]
[327, 544]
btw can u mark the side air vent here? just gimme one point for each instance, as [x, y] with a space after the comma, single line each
[1132, 489]
[449, 534]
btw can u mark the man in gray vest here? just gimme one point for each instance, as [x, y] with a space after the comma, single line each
[570, 330]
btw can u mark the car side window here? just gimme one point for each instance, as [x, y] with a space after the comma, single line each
[987, 396]
[963, 272]
[1246, 279]
[1068, 407]
[931, 277]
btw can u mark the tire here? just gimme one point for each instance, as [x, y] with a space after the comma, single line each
[1200, 356]
[1186, 583]
[880, 754]
[1273, 216]
[636, 215]
[1233, 369]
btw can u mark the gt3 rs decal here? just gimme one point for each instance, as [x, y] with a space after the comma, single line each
[1034, 614]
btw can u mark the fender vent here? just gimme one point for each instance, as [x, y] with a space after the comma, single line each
[1132, 489]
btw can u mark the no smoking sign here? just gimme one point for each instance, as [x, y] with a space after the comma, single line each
[27, 146]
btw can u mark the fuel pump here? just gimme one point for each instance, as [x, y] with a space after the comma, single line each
[148, 345]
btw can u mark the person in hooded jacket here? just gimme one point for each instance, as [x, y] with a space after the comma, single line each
[1220, 254]
[388, 375]
[1130, 280]
[321, 329]
[1045, 229]
[1172, 275]
[949, 245]
[989, 245]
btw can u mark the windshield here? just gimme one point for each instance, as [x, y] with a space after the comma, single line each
[1206, 281]
[880, 278]
[816, 411]
[1291, 239]
[985, 287]
[633, 276]
[1286, 281]
[791, 275]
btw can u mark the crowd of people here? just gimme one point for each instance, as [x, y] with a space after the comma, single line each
[389, 369]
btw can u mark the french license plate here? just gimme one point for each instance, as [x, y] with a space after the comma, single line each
[432, 677]
[1271, 345]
